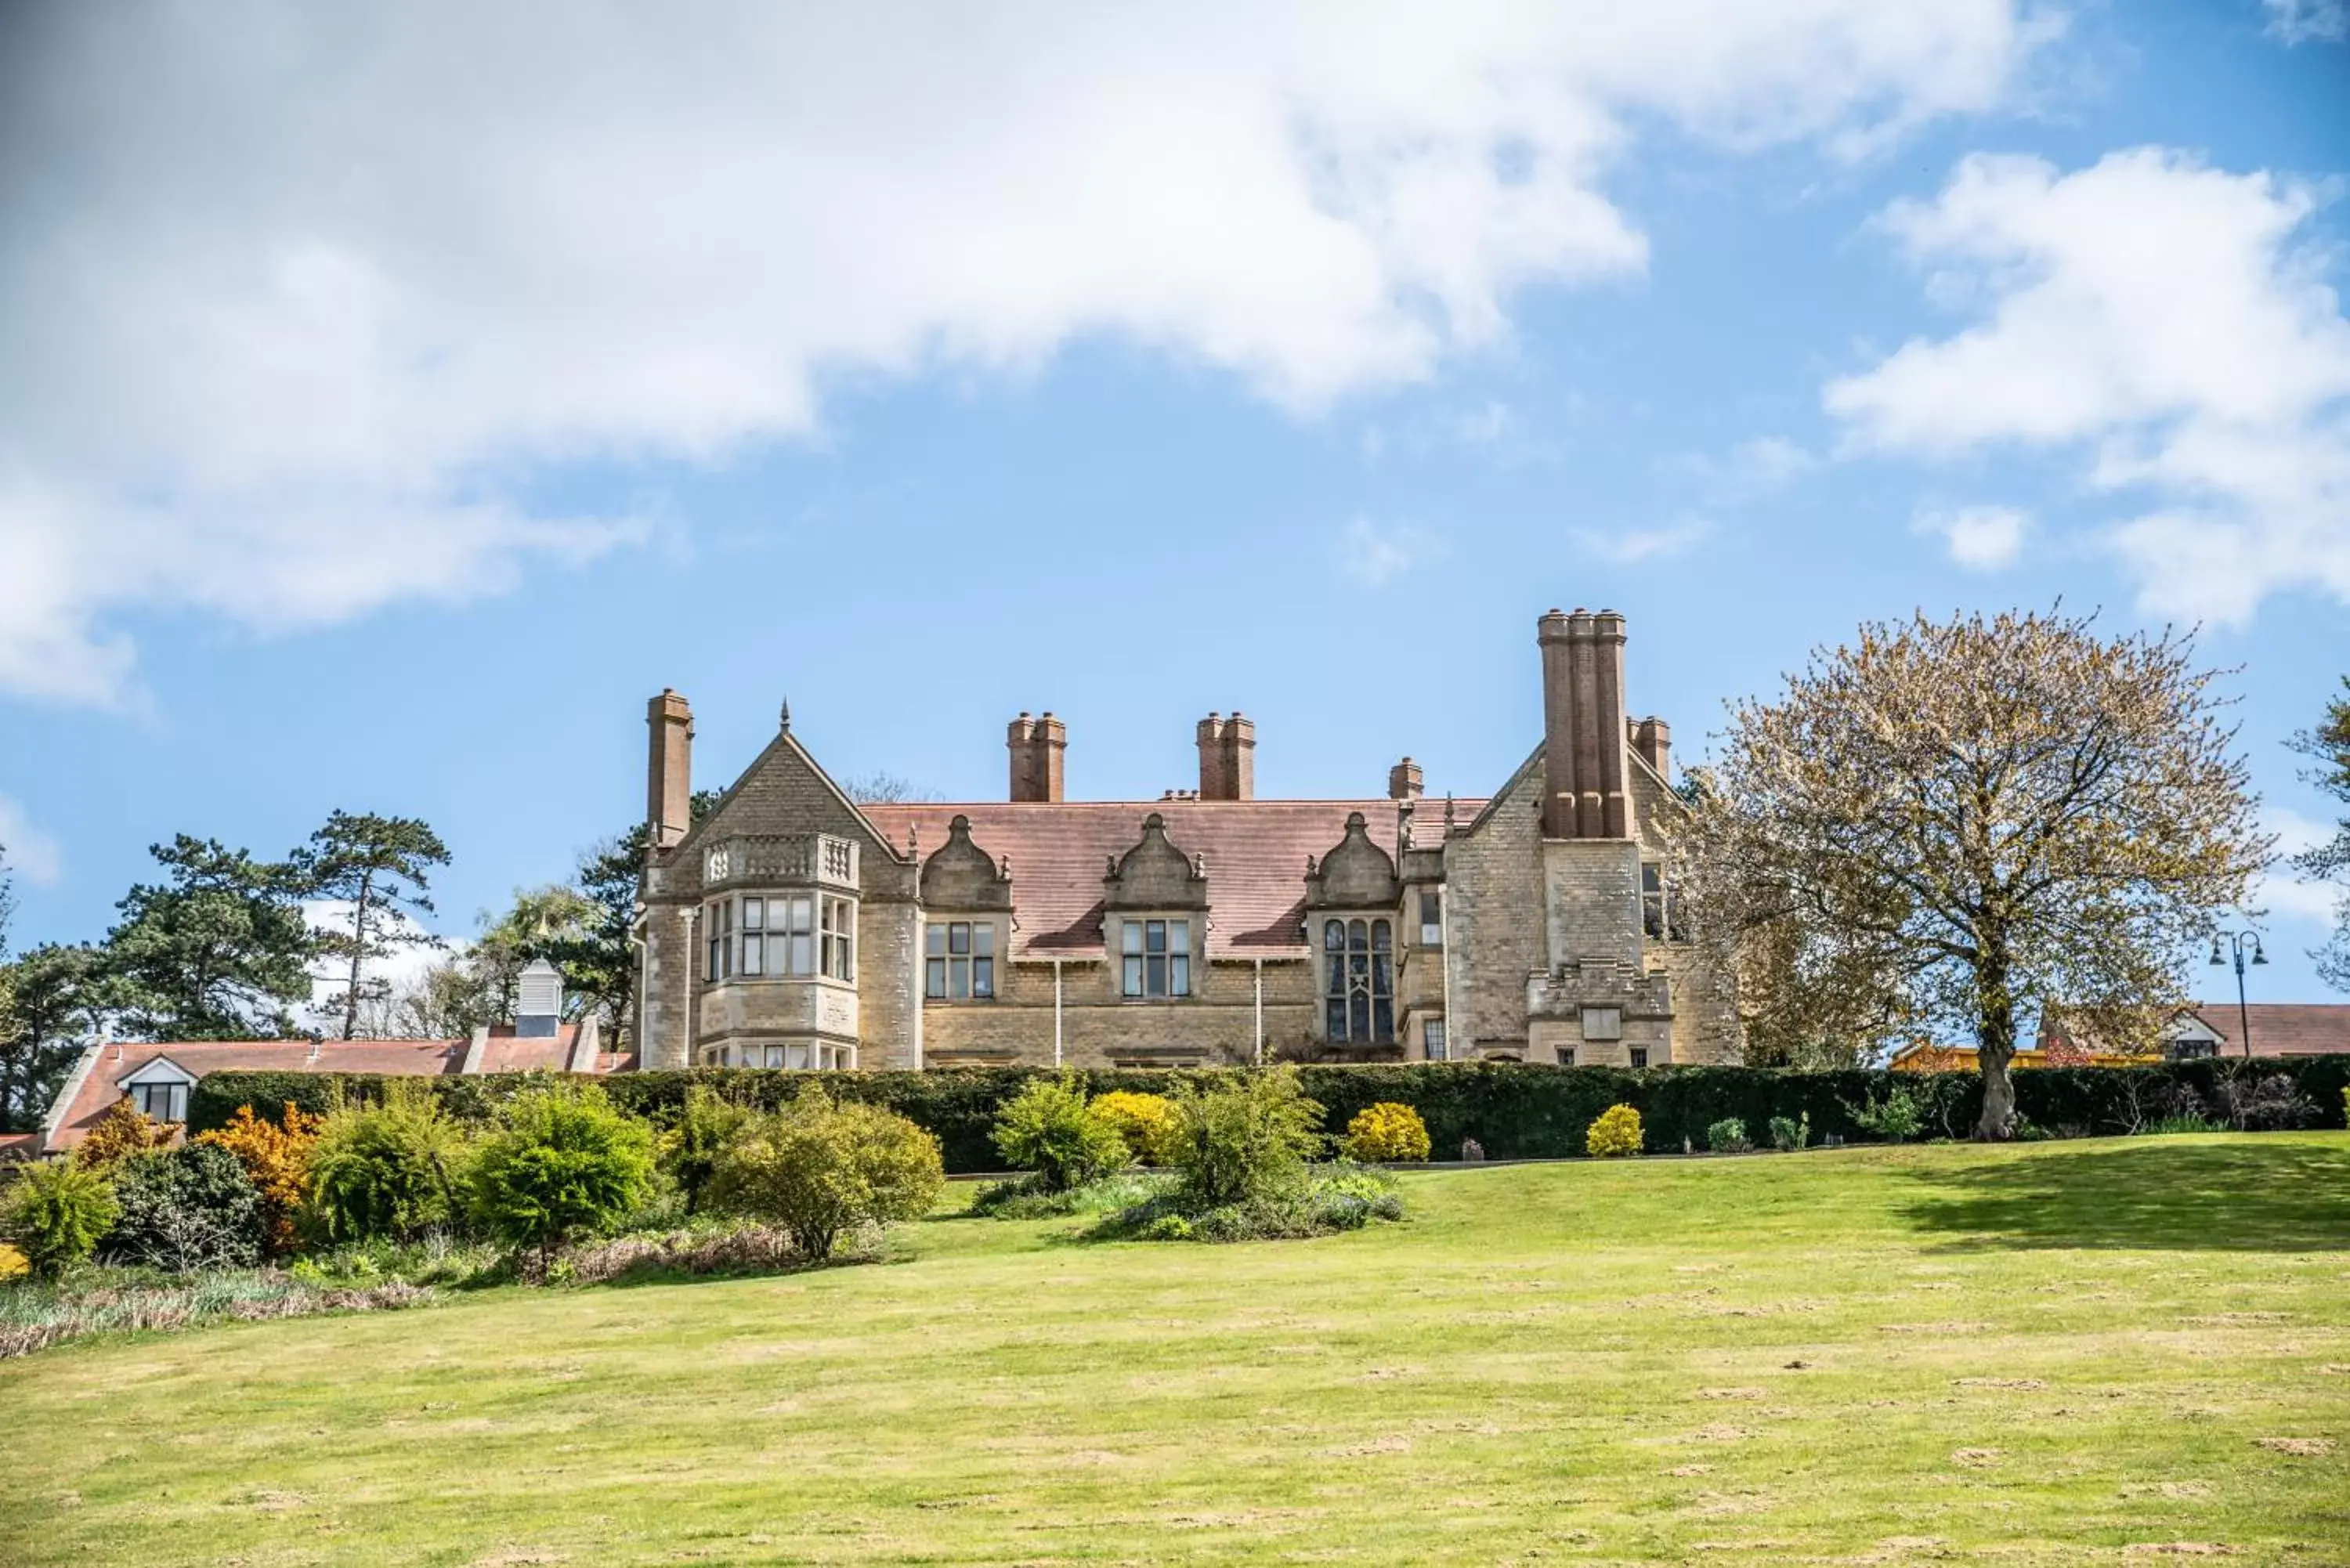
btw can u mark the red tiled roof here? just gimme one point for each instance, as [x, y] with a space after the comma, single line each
[2281, 1028]
[17, 1147]
[1255, 853]
[99, 1087]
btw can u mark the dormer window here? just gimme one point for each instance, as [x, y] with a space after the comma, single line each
[959, 960]
[1155, 957]
[1358, 981]
[164, 1102]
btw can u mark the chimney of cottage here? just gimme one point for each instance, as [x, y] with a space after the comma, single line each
[669, 774]
[1403, 781]
[1037, 747]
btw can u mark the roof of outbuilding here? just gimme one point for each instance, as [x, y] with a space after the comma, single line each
[1254, 852]
[2281, 1028]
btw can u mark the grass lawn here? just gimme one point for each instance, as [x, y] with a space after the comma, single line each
[2118, 1351]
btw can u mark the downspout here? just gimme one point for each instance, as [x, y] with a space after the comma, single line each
[1444, 935]
[914, 981]
[1056, 1012]
[644, 981]
[1256, 1044]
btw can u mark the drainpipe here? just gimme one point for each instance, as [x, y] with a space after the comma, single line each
[915, 978]
[644, 978]
[1444, 934]
[1256, 1046]
[1056, 1012]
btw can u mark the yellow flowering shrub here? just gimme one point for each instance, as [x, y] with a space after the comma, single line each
[124, 1130]
[1385, 1133]
[277, 1159]
[1150, 1123]
[1616, 1132]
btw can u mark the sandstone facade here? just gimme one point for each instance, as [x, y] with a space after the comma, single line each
[793, 927]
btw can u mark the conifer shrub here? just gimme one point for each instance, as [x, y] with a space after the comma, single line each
[124, 1130]
[56, 1212]
[563, 1163]
[389, 1169]
[1386, 1133]
[689, 1149]
[276, 1160]
[186, 1211]
[1151, 1126]
[1050, 1129]
[1616, 1132]
[1728, 1136]
[1789, 1134]
[1247, 1139]
[822, 1169]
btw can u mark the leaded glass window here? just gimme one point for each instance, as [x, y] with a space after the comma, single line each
[1358, 981]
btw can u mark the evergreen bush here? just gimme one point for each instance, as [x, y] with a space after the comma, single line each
[389, 1167]
[56, 1212]
[563, 1164]
[1048, 1127]
[1247, 1139]
[1728, 1136]
[1150, 1123]
[821, 1169]
[1615, 1134]
[187, 1210]
[1386, 1133]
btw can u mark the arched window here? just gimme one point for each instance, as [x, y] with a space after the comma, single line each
[1358, 989]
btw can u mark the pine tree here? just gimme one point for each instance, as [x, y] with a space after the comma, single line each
[380, 867]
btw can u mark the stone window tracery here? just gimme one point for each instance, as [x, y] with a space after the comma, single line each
[1358, 981]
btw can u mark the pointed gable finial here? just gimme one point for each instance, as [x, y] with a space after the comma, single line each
[785, 719]
[1448, 811]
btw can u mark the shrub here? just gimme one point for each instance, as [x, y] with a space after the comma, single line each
[563, 1163]
[1150, 1123]
[1789, 1134]
[1249, 1137]
[187, 1210]
[1028, 1198]
[2183, 1124]
[1386, 1133]
[124, 1130]
[2268, 1102]
[388, 1170]
[56, 1211]
[1616, 1132]
[276, 1160]
[1048, 1128]
[705, 1123]
[1895, 1116]
[820, 1168]
[1728, 1136]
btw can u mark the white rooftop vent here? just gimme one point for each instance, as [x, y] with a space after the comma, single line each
[538, 1001]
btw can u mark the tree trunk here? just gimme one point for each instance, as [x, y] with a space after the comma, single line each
[358, 956]
[1994, 1041]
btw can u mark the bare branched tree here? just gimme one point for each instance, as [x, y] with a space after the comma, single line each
[1960, 824]
[879, 788]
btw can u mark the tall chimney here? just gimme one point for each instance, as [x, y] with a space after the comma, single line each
[1607, 727]
[1227, 757]
[1036, 746]
[1556, 637]
[669, 771]
[1653, 739]
[1403, 781]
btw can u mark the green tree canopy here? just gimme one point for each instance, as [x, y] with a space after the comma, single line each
[51, 999]
[2328, 745]
[380, 868]
[219, 949]
[1974, 820]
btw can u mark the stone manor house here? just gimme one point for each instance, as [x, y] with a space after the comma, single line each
[791, 927]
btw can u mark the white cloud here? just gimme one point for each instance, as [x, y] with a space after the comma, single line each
[2281, 893]
[26, 849]
[2163, 320]
[1762, 466]
[1632, 546]
[1494, 421]
[1979, 539]
[2309, 21]
[328, 977]
[1377, 553]
[298, 298]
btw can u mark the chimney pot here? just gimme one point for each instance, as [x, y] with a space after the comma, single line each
[1404, 781]
[669, 771]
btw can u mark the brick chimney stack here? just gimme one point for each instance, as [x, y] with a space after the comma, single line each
[1227, 757]
[1583, 725]
[1653, 739]
[669, 773]
[1403, 781]
[1036, 746]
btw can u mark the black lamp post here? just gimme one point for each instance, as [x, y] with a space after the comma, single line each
[2237, 939]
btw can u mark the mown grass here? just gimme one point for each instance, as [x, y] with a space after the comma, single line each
[2056, 1354]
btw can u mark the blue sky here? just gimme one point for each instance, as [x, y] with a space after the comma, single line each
[382, 429]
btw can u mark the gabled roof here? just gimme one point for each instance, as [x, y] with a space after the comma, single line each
[1254, 852]
[2280, 1028]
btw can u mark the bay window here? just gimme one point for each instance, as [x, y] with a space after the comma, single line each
[775, 935]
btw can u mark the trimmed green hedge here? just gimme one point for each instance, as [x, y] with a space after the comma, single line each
[1515, 1110]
